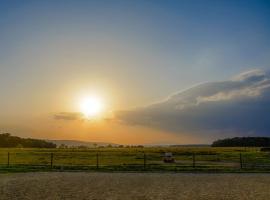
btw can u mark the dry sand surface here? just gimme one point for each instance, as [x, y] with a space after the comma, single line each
[129, 186]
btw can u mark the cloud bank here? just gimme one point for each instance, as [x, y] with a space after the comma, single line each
[240, 105]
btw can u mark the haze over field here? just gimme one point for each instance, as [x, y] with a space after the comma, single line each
[135, 72]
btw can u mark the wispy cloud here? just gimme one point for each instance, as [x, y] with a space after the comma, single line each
[70, 116]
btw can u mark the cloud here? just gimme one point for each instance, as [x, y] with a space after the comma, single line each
[70, 116]
[237, 106]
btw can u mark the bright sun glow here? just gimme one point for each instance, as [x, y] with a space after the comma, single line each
[91, 106]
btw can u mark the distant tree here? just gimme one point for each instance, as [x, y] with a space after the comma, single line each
[19, 146]
[63, 146]
[82, 147]
[6, 140]
[243, 142]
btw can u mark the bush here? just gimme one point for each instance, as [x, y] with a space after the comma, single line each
[265, 149]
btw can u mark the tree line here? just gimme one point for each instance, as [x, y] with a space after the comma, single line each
[243, 142]
[7, 140]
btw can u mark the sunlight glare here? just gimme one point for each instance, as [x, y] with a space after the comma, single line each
[91, 106]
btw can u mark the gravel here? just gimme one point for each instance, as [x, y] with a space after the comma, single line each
[133, 186]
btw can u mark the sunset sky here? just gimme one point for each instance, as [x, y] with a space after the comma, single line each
[135, 72]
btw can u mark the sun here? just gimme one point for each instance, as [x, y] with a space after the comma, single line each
[91, 106]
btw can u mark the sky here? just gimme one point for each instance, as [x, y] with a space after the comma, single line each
[183, 71]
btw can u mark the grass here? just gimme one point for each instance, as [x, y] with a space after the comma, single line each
[207, 159]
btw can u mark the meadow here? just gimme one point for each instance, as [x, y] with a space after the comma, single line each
[208, 159]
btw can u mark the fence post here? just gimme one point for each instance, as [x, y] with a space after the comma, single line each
[144, 160]
[241, 161]
[193, 160]
[8, 159]
[51, 160]
[97, 164]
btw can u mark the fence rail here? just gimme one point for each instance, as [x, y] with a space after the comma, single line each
[135, 161]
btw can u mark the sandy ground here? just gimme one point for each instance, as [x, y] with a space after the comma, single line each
[129, 186]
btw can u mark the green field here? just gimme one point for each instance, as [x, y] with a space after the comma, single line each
[135, 159]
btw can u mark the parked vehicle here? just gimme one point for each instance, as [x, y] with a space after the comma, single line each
[168, 158]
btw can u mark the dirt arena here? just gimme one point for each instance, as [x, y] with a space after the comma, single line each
[133, 186]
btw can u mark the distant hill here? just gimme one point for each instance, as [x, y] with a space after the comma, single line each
[76, 143]
[243, 142]
[175, 145]
[190, 145]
